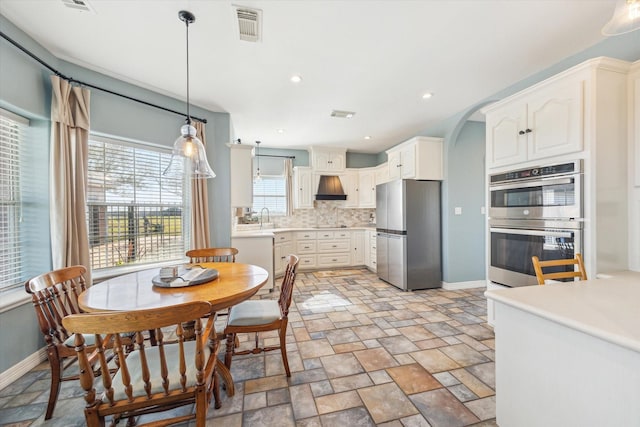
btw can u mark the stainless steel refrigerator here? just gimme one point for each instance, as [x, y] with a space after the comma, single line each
[409, 250]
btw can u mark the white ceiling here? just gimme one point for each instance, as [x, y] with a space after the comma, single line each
[376, 58]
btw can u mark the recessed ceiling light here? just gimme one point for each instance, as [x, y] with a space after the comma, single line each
[427, 95]
[367, 137]
[296, 78]
[280, 130]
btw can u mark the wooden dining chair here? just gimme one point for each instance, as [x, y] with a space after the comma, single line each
[212, 255]
[560, 269]
[150, 378]
[55, 296]
[255, 316]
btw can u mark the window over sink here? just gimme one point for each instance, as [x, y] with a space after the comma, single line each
[270, 191]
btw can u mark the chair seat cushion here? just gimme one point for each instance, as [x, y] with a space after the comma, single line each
[89, 340]
[172, 353]
[254, 312]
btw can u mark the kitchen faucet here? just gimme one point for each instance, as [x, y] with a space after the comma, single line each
[268, 218]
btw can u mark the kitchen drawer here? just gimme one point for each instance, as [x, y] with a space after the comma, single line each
[334, 245]
[282, 237]
[334, 260]
[307, 261]
[325, 235]
[306, 235]
[306, 246]
[343, 234]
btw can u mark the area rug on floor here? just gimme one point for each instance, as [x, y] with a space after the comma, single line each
[335, 273]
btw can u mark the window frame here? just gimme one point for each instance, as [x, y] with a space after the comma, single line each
[286, 196]
[17, 233]
[101, 273]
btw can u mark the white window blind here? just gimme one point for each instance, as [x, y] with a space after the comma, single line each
[270, 192]
[12, 131]
[135, 214]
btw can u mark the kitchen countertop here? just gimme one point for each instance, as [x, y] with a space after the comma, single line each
[607, 308]
[270, 232]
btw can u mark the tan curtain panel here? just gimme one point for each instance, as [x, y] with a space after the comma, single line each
[288, 173]
[200, 204]
[68, 169]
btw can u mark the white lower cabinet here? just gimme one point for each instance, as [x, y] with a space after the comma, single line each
[282, 248]
[334, 249]
[325, 249]
[372, 252]
[333, 260]
[307, 246]
[358, 248]
[257, 250]
[307, 261]
[334, 246]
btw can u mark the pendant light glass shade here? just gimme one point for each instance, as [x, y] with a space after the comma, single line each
[188, 146]
[626, 18]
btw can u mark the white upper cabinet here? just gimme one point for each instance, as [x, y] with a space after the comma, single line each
[418, 158]
[546, 123]
[303, 181]
[367, 188]
[241, 161]
[325, 159]
[505, 145]
[382, 173]
[350, 186]
[360, 188]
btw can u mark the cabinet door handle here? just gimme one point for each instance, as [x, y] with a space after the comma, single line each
[528, 131]
[521, 132]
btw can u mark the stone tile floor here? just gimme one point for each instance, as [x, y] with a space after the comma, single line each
[361, 352]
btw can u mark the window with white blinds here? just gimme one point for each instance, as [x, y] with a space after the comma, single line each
[12, 130]
[270, 192]
[134, 213]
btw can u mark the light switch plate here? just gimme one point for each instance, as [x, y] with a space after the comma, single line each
[457, 211]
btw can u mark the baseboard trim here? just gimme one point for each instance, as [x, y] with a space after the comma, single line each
[464, 285]
[22, 367]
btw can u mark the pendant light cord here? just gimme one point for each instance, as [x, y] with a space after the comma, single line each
[188, 103]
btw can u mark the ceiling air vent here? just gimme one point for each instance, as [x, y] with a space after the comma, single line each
[342, 114]
[82, 5]
[249, 23]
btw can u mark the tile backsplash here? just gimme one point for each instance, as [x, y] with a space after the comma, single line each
[326, 213]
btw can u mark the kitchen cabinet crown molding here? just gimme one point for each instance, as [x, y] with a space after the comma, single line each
[602, 62]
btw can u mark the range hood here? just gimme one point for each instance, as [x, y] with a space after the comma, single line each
[330, 188]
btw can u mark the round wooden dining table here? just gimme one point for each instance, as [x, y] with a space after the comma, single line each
[235, 283]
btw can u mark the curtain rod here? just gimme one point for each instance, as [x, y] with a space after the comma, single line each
[273, 155]
[72, 80]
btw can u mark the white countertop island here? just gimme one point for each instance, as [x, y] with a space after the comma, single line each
[568, 354]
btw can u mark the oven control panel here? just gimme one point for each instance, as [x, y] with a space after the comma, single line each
[537, 172]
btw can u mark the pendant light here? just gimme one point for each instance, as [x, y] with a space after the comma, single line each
[626, 18]
[188, 146]
[257, 177]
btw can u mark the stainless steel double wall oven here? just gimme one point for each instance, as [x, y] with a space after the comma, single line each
[535, 211]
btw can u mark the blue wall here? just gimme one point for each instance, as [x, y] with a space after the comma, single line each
[464, 248]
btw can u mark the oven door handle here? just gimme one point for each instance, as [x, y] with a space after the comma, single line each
[537, 183]
[532, 232]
